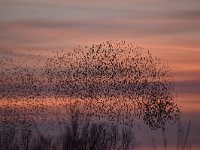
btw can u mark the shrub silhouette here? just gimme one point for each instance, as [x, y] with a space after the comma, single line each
[96, 136]
[183, 142]
[77, 136]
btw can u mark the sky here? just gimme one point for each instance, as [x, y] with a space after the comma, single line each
[169, 29]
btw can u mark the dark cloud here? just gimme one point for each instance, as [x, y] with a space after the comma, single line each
[188, 87]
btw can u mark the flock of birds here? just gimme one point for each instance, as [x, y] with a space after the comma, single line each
[110, 82]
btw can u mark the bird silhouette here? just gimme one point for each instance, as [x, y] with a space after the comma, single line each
[113, 82]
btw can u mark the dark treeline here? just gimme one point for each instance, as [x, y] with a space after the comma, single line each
[78, 134]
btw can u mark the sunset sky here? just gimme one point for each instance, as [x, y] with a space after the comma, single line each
[170, 29]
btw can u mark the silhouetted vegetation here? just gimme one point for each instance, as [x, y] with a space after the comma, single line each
[77, 136]
[183, 142]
